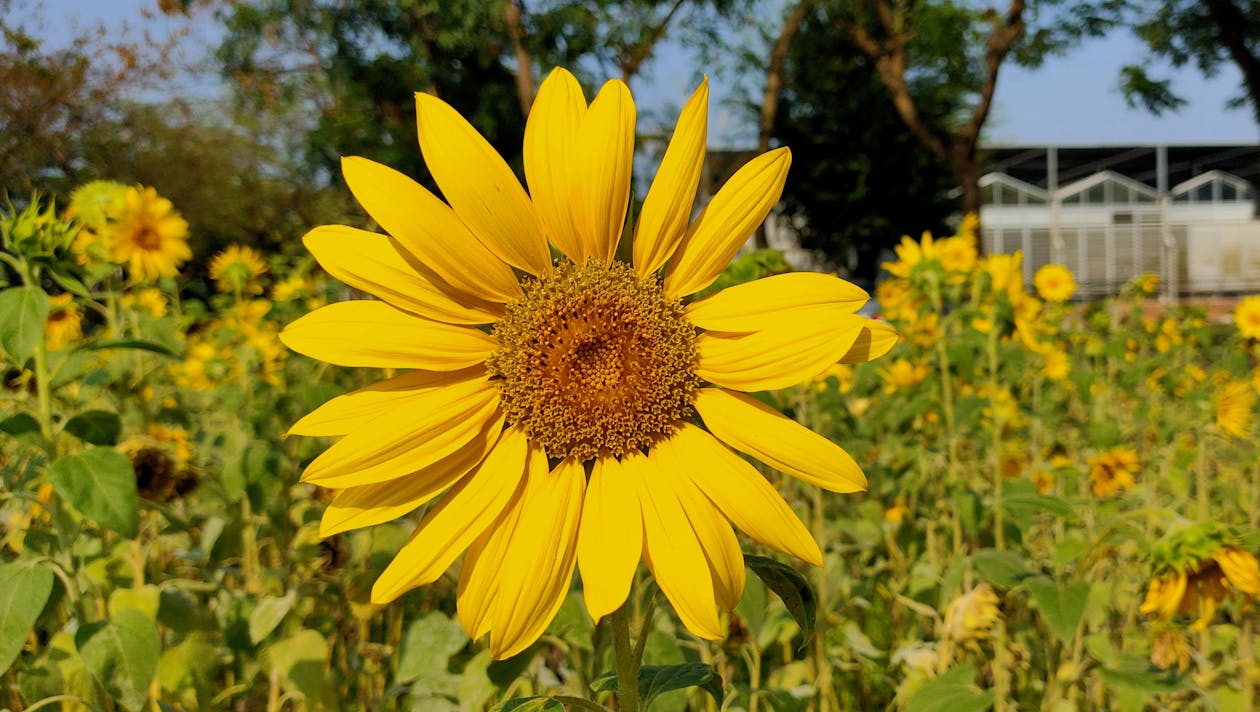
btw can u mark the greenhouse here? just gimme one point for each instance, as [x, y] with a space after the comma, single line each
[1186, 213]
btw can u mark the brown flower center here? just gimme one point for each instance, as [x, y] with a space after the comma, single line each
[595, 360]
[146, 237]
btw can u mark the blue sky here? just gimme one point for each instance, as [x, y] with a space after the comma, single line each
[1070, 100]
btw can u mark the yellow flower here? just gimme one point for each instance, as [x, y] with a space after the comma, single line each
[235, 269]
[1112, 472]
[1055, 363]
[843, 374]
[911, 253]
[972, 615]
[958, 254]
[1006, 273]
[1145, 285]
[1043, 482]
[64, 324]
[1054, 283]
[902, 374]
[91, 205]
[1198, 589]
[149, 300]
[289, 289]
[148, 235]
[1234, 405]
[1247, 317]
[590, 363]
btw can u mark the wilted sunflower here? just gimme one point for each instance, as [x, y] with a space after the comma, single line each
[147, 234]
[1197, 588]
[558, 404]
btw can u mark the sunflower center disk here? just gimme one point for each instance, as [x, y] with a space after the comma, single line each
[595, 360]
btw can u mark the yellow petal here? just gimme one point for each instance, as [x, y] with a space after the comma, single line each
[480, 186]
[876, 339]
[479, 574]
[743, 495]
[757, 430]
[605, 154]
[550, 154]
[428, 229]
[460, 517]
[351, 411]
[610, 539]
[800, 347]
[371, 262]
[371, 333]
[404, 440]
[717, 540]
[537, 568]
[763, 303]
[727, 222]
[674, 554]
[368, 505]
[667, 207]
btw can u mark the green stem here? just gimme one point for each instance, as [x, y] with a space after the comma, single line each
[627, 665]
[44, 397]
[999, 523]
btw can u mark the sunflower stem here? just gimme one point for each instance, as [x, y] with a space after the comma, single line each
[627, 662]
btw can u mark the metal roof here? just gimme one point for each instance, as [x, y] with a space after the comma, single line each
[1029, 163]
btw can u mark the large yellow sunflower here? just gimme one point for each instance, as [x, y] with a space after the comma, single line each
[578, 411]
[148, 235]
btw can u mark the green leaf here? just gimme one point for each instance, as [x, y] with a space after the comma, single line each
[790, 586]
[1054, 505]
[657, 679]
[1061, 607]
[101, 484]
[22, 314]
[270, 611]
[24, 589]
[19, 424]
[954, 691]
[1137, 674]
[430, 640]
[122, 654]
[529, 704]
[99, 427]
[136, 344]
[1003, 569]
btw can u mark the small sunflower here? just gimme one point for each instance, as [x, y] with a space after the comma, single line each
[1247, 317]
[148, 235]
[577, 412]
[64, 324]
[1112, 472]
[235, 269]
[1054, 283]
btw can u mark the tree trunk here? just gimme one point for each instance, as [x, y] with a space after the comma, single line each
[524, 60]
[962, 159]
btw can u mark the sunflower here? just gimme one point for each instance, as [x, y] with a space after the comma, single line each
[1198, 588]
[148, 235]
[235, 269]
[1112, 472]
[1234, 404]
[64, 324]
[1247, 317]
[577, 412]
[1054, 283]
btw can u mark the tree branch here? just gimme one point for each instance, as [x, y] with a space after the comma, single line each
[524, 60]
[630, 64]
[774, 72]
[1006, 31]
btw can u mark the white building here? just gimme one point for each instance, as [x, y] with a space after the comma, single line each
[1186, 213]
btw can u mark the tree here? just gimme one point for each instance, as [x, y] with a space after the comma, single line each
[859, 180]
[963, 48]
[1209, 33]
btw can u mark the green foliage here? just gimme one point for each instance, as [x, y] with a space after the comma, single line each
[655, 680]
[100, 483]
[953, 691]
[24, 589]
[22, 314]
[122, 654]
[792, 588]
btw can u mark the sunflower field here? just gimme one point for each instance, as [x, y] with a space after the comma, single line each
[1059, 507]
